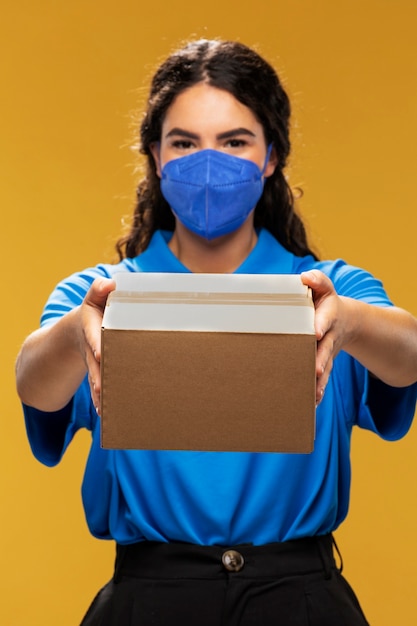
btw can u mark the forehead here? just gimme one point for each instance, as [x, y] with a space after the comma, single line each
[203, 106]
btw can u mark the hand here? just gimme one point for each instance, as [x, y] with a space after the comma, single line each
[91, 312]
[329, 326]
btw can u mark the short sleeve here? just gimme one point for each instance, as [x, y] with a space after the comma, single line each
[50, 433]
[355, 282]
[385, 410]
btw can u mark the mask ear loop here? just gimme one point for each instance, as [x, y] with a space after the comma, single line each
[268, 154]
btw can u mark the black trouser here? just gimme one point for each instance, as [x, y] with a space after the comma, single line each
[296, 583]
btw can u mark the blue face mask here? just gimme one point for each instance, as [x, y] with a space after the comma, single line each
[212, 193]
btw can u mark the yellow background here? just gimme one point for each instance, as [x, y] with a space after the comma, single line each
[72, 75]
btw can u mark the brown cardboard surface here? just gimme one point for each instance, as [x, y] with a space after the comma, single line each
[175, 390]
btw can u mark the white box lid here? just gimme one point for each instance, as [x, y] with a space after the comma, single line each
[257, 303]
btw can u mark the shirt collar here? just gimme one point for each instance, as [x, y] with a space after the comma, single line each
[267, 257]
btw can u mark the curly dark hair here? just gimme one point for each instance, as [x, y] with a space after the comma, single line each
[238, 69]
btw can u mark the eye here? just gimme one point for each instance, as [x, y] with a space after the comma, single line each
[182, 144]
[236, 143]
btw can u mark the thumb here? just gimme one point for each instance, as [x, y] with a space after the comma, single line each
[99, 291]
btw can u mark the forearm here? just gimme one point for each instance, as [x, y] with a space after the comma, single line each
[50, 366]
[383, 339]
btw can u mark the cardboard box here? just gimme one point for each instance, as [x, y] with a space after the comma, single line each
[221, 362]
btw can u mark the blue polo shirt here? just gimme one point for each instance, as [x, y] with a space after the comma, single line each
[221, 497]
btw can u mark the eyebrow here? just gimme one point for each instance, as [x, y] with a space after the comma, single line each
[226, 135]
[234, 132]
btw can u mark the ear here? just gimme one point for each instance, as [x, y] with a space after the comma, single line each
[155, 149]
[272, 163]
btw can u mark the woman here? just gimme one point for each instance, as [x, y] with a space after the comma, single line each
[222, 538]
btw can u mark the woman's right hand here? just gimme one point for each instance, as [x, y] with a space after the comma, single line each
[53, 360]
[91, 315]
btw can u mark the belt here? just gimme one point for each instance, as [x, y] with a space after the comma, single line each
[158, 560]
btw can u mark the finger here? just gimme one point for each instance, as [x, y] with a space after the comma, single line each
[92, 338]
[325, 353]
[318, 282]
[95, 397]
[94, 374]
[323, 322]
[324, 366]
[98, 293]
[93, 309]
[92, 313]
[322, 381]
[94, 379]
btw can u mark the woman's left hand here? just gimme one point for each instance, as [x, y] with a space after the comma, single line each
[329, 326]
[382, 339]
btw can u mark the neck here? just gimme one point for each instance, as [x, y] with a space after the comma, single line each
[222, 255]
